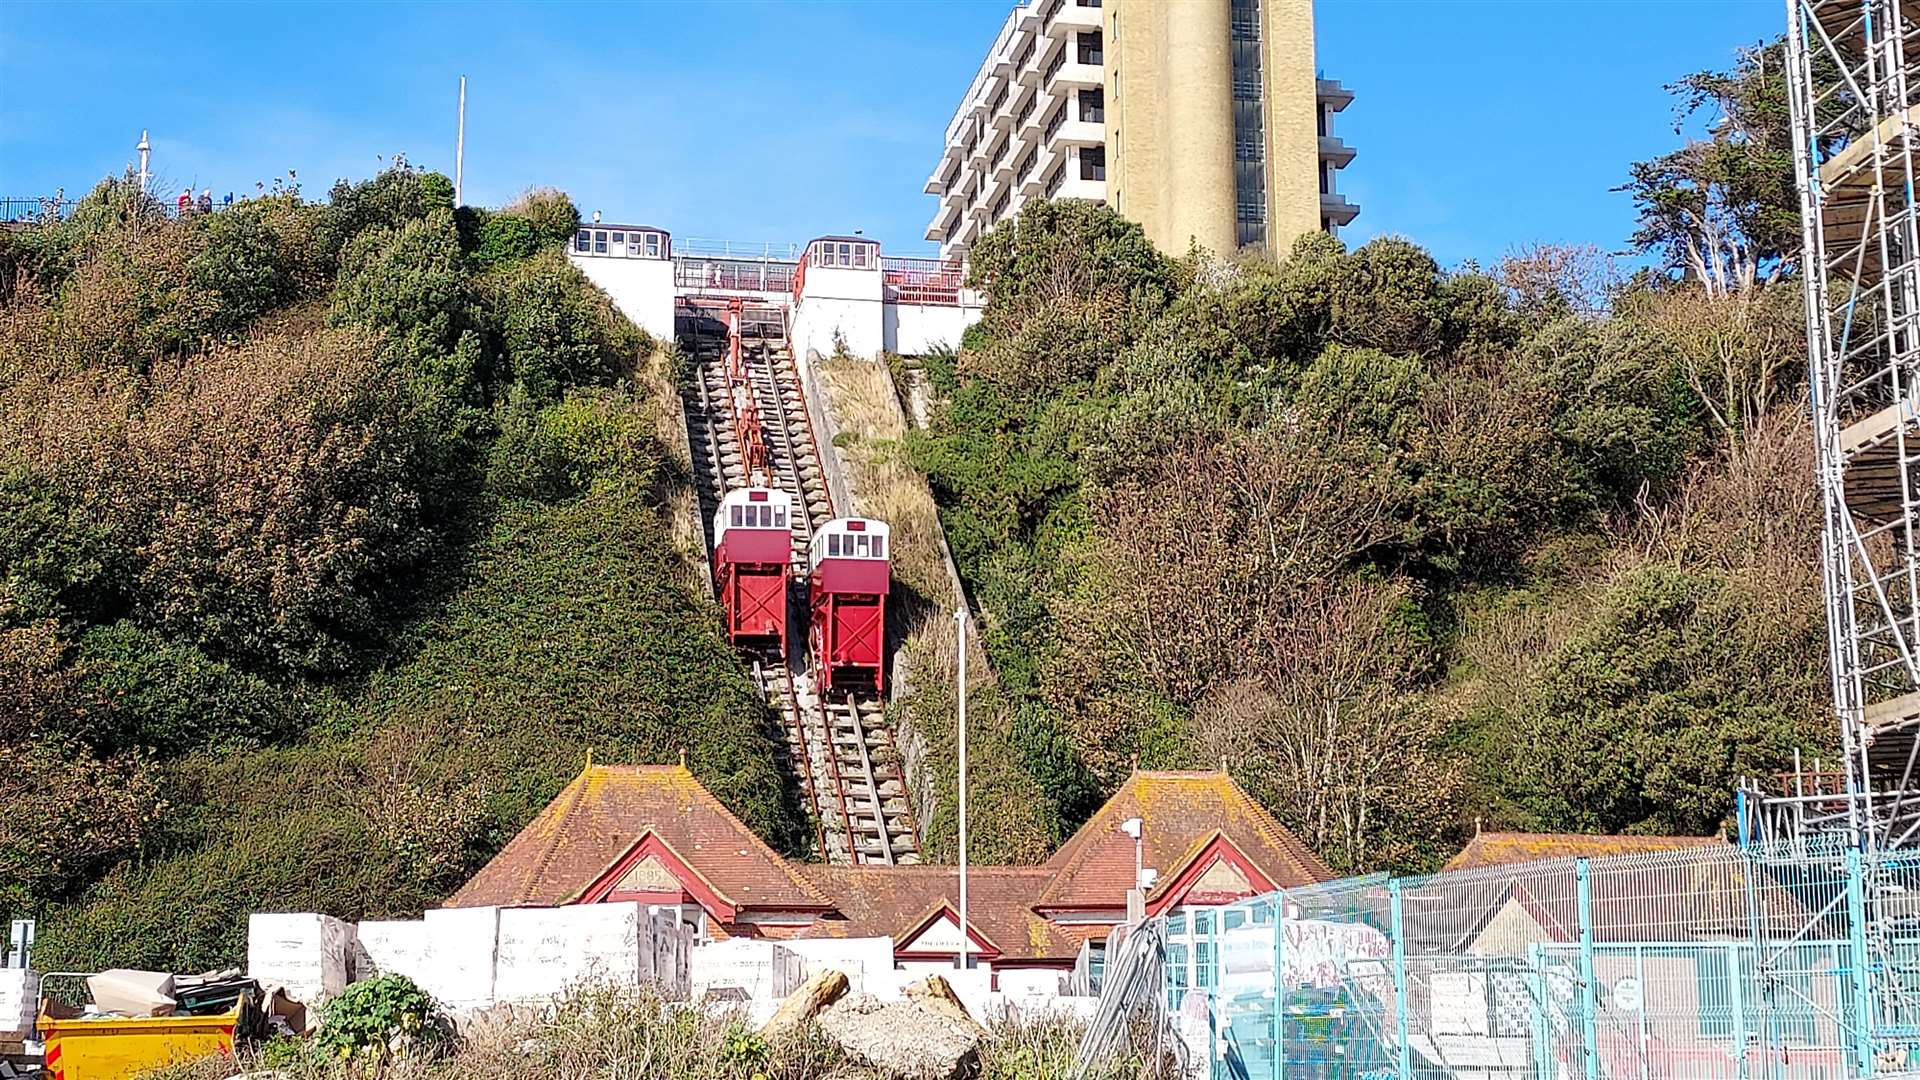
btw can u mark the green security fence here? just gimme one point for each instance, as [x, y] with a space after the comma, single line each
[1708, 962]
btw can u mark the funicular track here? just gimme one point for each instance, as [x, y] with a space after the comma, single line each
[840, 748]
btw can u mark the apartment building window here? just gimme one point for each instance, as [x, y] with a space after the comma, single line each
[1026, 164]
[1249, 126]
[952, 174]
[999, 99]
[1053, 182]
[1053, 122]
[1089, 41]
[1086, 3]
[1326, 184]
[1093, 106]
[1026, 54]
[1026, 109]
[1053, 65]
[1093, 163]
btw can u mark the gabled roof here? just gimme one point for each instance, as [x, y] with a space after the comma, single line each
[1180, 812]
[1502, 848]
[598, 820]
[901, 900]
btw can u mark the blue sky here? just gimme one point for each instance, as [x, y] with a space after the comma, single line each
[1480, 125]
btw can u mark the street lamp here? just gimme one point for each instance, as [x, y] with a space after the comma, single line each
[1135, 828]
[960, 717]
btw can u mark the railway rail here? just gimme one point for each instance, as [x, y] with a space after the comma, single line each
[840, 747]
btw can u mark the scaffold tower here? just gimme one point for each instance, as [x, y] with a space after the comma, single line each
[1854, 120]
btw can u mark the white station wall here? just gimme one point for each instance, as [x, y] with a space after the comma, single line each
[641, 288]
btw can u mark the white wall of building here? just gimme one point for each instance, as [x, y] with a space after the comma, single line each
[839, 305]
[641, 288]
[918, 329]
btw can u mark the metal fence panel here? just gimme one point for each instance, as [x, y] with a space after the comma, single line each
[1709, 962]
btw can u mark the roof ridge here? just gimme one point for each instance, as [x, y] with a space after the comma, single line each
[579, 787]
[786, 867]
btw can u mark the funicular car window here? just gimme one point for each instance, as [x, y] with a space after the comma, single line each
[737, 522]
[879, 547]
[833, 545]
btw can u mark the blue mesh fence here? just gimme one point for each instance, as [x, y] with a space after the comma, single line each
[1707, 962]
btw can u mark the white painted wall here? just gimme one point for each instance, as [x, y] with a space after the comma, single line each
[641, 288]
[839, 300]
[462, 947]
[918, 329]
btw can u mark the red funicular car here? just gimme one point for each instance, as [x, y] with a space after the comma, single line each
[848, 572]
[752, 549]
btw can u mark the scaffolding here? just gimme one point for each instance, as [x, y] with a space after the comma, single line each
[1853, 115]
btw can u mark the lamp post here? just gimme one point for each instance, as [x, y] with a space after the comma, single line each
[960, 717]
[1136, 896]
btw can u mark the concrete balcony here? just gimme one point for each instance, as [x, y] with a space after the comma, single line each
[1072, 18]
[1074, 187]
[1334, 151]
[1080, 132]
[1332, 94]
[1002, 120]
[1075, 75]
[1337, 210]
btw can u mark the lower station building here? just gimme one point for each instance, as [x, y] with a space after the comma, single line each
[654, 834]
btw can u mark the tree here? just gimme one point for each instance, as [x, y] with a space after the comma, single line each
[1722, 211]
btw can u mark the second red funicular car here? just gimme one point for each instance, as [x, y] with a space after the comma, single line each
[752, 550]
[848, 574]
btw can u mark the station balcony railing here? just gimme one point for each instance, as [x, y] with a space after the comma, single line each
[732, 275]
[909, 280]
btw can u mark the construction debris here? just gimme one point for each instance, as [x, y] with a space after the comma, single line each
[906, 1039]
[818, 992]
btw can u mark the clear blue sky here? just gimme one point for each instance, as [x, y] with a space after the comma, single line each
[1480, 125]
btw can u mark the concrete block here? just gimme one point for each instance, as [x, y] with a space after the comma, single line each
[398, 947]
[19, 1003]
[462, 945]
[544, 951]
[862, 959]
[1022, 984]
[766, 970]
[310, 955]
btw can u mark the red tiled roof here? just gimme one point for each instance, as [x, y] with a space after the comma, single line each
[1502, 848]
[607, 809]
[1179, 812]
[892, 900]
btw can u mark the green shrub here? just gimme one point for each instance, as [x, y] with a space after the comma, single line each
[592, 435]
[383, 1015]
[504, 238]
[170, 697]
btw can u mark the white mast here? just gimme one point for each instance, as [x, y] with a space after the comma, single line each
[460, 144]
[145, 149]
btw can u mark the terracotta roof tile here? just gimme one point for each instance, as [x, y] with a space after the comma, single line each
[1502, 848]
[875, 901]
[1179, 812]
[604, 812]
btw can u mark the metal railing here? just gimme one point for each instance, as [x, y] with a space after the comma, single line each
[910, 280]
[734, 249]
[732, 275]
[1708, 961]
[30, 209]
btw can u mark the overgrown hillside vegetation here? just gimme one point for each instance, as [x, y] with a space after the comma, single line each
[1408, 549]
[331, 542]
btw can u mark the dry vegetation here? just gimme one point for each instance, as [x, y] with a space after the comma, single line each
[602, 1034]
